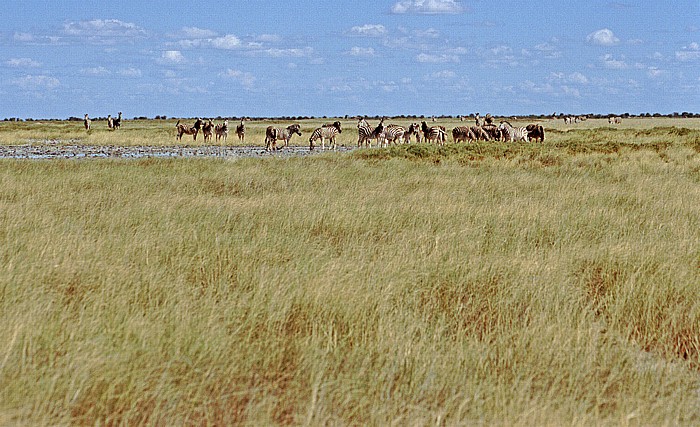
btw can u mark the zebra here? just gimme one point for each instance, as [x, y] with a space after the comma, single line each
[480, 133]
[272, 134]
[110, 122]
[240, 131]
[615, 120]
[463, 133]
[221, 131]
[433, 133]
[86, 122]
[208, 130]
[117, 123]
[366, 134]
[413, 129]
[186, 130]
[325, 132]
[392, 134]
[535, 132]
[512, 133]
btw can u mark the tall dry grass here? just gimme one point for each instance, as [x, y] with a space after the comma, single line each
[546, 284]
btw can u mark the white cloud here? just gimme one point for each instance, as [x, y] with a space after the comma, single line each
[130, 72]
[615, 64]
[429, 7]
[95, 71]
[22, 63]
[36, 82]
[23, 37]
[436, 59]
[361, 51]
[244, 78]
[103, 28]
[654, 72]
[173, 56]
[689, 53]
[604, 37]
[289, 53]
[197, 33]
[443, 75]
[229, 41]
[577, 77]
[369, 30]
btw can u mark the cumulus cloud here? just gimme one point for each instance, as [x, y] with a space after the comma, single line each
[369, 30]
[103, 28]
[95, 71]
[30, 82]
[197, 33]
[689, 53]
[361, 51]
[172, 56]
[130, 72]
[244, 78]
[229, 41]
[22, 63]
[436, 59]
[604, 37]
[428, 7]
[615, 64]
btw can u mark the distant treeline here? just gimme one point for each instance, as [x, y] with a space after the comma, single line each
[684, 114]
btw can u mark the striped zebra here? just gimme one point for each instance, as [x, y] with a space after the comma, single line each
[240, 131]
[463, 133]
[392, 134]
[413, 129]
[86, 122]
[186, 130]
[221, 131]
[273, 134]
[512, 133]
[365, 133]
[480, 133]
[208, 130]
[433, 133]
[325, 132]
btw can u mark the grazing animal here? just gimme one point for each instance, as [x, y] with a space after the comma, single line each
[186, 130]
[240, 131]
[493, 131]
[392, 134]
[365, 133]
[208, 130]
[433, 133]
[535, 132]
[615, 120]
[478, 120]
[221, 131]
[480, 133]
[273, 134]
[110, 122]
[86, 122]
[117, 123]
[463, 133]
[325, 132]
[413, 129]
[511, 133]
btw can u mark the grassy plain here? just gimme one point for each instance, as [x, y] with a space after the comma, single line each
[497, 284]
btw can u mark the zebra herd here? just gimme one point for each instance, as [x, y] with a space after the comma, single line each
[384, 135]
[391, 134]
[208, 129]
[112, 123]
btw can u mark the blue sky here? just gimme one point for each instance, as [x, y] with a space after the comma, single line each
[386, 57]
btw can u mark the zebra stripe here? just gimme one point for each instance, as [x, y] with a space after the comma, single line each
[365, 133]
[325, 132]
[413, 129]
[433, 133]
[463, 133]
[273, 134]
[392, 134]
[513, 133]
[221, 131]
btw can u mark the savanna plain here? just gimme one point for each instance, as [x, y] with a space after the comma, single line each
[487, 283]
